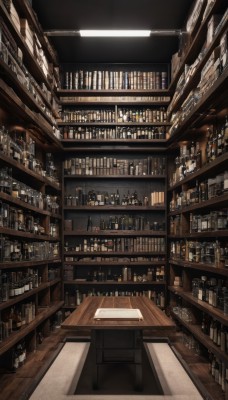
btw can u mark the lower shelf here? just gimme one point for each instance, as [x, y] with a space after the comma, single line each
[43, 314]
[202, 338]
[199, 367]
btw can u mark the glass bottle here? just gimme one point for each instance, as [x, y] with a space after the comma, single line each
[226, 135]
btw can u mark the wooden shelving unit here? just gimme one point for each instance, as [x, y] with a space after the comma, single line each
[29, 110]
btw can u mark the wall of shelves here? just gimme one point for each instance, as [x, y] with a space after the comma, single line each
[30, 189]
[197, 222]
[118, 194]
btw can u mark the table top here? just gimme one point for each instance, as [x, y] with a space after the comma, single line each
[83, 316]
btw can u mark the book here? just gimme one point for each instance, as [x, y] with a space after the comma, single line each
[133, 314]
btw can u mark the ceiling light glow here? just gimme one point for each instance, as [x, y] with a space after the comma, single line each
[114, 33]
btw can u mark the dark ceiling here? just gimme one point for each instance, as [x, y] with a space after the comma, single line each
[113, 14]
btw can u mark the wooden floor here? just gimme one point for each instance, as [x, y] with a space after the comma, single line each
[16, 386]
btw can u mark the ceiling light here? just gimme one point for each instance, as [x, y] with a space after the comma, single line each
[114, 33]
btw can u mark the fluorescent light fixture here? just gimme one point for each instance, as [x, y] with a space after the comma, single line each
[114, 33]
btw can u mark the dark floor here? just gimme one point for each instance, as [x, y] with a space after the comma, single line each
[16, 386]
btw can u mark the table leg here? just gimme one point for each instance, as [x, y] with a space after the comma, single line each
[95, 367]
[138, 360]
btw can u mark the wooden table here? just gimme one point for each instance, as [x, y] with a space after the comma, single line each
[122, 340]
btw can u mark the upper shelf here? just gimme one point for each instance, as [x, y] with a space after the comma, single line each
[28, 57]
[34, 119]
[24, 94]
[121, 96]
[197, 42]
[206, 171]
[215, 97]
[194, 79]
[25, 8]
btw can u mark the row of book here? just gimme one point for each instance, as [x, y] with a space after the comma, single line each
[115, 80]
[100, 166]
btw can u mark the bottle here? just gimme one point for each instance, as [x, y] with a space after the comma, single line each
[203, 324]
[89, 224]
[198, 156]
[226, 135]
[117, 200]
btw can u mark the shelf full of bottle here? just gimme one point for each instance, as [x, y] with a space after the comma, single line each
[107, 224]
[28, 38]
[18, 250]
[201, 193]
[116, 78]
[19, 194]
[115, 274]
[195, 155]
[94, 124]
[205, 337]
[200, 67]
[152, 166]
[21, 148]
[212, 364]
[116, 245]
[205, 252]
[14, 319]
[113, 115]
[81, 197]
[210, 223]
[19, 284]
[14, 221]
[12, 58]
[25, 320]
[204, 327]
[207, 92]
[117, 133]
[16, 357]
[74, 297]
[208, 293]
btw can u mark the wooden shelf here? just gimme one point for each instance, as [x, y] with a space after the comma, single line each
[28, 264]
[24, 296]
[202, 338]
[210, 234]
[22, 204]
[114, 123]
[28, 235]
[34, 120]
[114, 253]
[202, 305]
[109, 233]
[213, 98]
[33, 111]
[200, 267]
[24, 93]
[26, 9]
[194, 80]
[114, 92]
[115, 208]
[114, 263]
[28, 57]
[43, 314]
[116, 283]
[22, 172]
[206, 170]
[196, 44]
[121, 141]
[123, 148]
[216, 202]
[115, 177]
